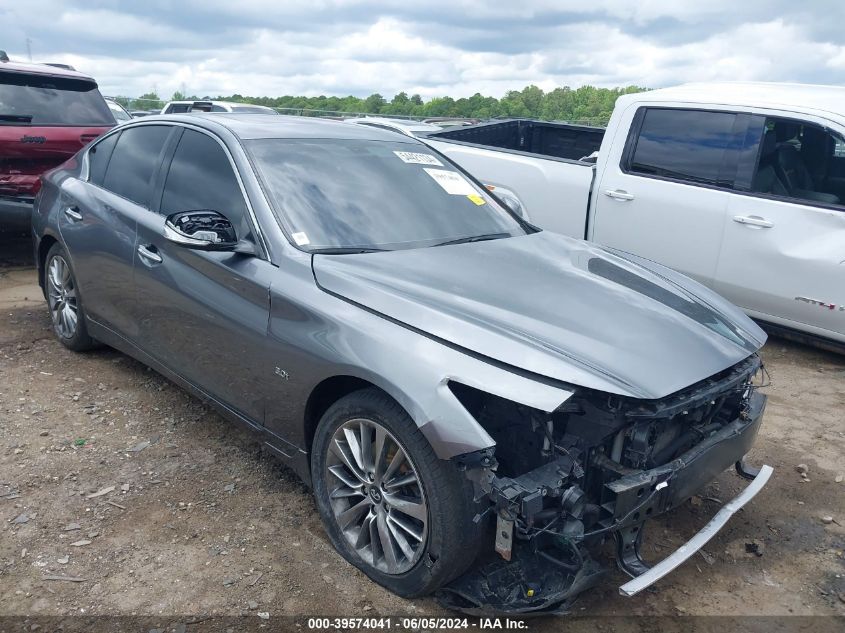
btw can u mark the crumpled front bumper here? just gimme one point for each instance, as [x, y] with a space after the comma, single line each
[671, 562]
[529, 584]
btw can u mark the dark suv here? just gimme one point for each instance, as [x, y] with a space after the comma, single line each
[47, 114]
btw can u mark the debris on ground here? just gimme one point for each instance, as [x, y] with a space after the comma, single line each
[64, 578]
[101, 492]
[708, 558]
[754, 547]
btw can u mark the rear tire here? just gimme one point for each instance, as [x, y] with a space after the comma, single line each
[434, 545]
[64, 303]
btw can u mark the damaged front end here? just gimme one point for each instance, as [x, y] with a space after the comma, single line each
[562, 484]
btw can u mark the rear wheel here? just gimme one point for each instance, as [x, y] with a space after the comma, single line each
[63, 300]
[389, 505]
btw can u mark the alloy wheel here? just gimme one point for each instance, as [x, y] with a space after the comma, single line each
[376, 496]
[61, 293]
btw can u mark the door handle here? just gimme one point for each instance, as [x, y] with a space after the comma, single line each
[754, 220]
[147, 252]
[618, 194]
[73, 214]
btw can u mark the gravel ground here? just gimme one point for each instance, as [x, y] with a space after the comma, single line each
[111, 475]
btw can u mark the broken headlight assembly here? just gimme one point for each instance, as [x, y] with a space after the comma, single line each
[561, 485]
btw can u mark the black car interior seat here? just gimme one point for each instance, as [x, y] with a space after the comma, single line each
[791, 168]
[766, 180]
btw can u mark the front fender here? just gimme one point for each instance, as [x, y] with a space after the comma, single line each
[332, 337]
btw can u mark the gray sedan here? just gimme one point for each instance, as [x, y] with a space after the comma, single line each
[478, 405]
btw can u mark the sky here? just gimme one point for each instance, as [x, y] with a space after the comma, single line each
[433, 47]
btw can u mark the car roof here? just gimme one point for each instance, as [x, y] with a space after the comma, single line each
[408, 124]
[752, 94]
[260, 126]
[44, 69]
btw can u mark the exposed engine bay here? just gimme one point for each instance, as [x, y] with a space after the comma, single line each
[561, 485]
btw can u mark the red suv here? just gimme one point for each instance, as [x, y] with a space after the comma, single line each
[47, 114]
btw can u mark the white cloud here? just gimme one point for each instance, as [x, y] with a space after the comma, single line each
[456, 48]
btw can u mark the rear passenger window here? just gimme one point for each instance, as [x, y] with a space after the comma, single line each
[684, 144]
[134, 160]
[98, 159]
[201, 177]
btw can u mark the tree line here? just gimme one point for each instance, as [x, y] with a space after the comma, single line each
[587, 104]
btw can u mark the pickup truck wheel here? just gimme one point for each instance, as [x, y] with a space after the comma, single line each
[389, 505]
[64, 303]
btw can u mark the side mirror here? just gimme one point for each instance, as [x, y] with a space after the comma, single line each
[204, 230]
[510, 199]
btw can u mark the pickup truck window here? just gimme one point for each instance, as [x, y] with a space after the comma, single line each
[798, 160]
[688, 145]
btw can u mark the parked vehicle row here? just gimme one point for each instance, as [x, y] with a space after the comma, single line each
[479, 405]
[178, 107]
[739, 186]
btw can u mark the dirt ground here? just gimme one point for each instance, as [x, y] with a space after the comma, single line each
[112, 475]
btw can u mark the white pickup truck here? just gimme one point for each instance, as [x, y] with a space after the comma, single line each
[740, 186]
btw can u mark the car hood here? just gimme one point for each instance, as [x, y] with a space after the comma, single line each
[554, 307]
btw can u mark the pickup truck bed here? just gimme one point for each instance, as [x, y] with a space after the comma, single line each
[541, 162]
[546, 139]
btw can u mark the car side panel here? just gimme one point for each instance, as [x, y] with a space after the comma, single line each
[204, 316]
[98, 229]
[317, 336]
[793, 270]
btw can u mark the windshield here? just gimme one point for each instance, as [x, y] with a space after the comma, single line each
[44, 100]
[119, 113]
[335, 194]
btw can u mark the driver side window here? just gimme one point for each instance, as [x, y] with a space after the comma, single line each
[201, 177]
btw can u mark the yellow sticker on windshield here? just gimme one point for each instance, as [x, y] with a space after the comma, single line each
[476, 199]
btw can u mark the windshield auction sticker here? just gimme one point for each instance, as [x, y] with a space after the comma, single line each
[451, 181]
[416, 158]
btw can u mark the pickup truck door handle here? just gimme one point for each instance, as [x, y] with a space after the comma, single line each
[754, 220]
[149, 253]
[73, 214]
[618, 194]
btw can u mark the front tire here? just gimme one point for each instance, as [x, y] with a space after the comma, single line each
[389, 505]
[62, 293]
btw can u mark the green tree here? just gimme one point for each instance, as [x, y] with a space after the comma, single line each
[148, 101]
[586, 104]
[374, 103]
